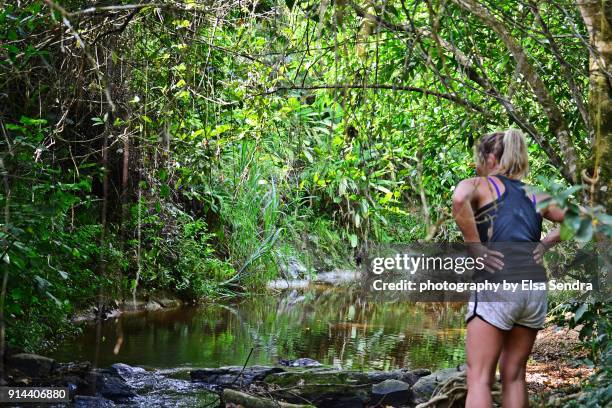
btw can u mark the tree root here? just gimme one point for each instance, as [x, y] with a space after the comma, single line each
[453, 391]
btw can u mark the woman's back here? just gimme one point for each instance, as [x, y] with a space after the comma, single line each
[512, 217]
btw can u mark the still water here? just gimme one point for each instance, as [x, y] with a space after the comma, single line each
[333, 325]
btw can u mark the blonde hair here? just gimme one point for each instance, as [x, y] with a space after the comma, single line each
[510, 150]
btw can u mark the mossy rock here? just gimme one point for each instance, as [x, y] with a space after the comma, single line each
[295, 378]
[318, 385]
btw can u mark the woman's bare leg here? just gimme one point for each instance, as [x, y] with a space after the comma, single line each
[513, 362]
[483, 347]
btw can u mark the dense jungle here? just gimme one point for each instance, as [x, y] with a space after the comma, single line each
[199, 150]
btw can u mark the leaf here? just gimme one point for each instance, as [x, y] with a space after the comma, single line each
[308, 156]
[605, 219]
[383, 189]
[580, 311]
[354, 240]
[162, 174]
[342, 187]
[564, 195]
[56, 300]
[164, 191]
[543, 203]
[42, 282]
[364, 206]
[585, 232]
[571, 224]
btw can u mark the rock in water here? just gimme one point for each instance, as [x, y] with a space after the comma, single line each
[323, 388]
[152, 306]
[169, 302]
[425, 386]
[85, 401]
[300, 362]
[32, 365]
[233, 376]
[126, 371]
[293, 269]
[109, 385]
[246, 400]
[390, 392]
[421, 372]
[402, 374]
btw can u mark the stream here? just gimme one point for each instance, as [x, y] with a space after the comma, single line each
[331, 324]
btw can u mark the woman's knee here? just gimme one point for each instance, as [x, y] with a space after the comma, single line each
[511, 372]
[480, 374]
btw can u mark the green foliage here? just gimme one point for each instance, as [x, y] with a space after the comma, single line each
[176, 255]
[581, 222]
[47, 259]
[593, 320]
[237, 144]
[591, 316]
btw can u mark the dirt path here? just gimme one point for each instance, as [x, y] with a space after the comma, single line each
[552, 364]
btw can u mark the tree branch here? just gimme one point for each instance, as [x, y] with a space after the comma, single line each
[450, 97]
[556, 121]
[473, 74]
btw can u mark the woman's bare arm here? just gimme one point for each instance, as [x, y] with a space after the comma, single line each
[463, 196]
[555, 214]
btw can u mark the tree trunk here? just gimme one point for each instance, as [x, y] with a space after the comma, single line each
[597, 15]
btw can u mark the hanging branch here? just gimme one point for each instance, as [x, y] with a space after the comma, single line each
[101, 76]
[472, 73]
[556, 122]
[566, 69]
[450, 97]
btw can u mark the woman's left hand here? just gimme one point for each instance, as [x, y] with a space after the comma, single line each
[539, 251]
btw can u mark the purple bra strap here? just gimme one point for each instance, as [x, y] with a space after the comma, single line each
[533, 199]
[494, 185]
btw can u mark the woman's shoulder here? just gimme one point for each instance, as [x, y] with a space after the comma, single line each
[472, 182]
[473, 187]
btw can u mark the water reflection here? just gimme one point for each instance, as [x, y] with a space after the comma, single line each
[333, 325]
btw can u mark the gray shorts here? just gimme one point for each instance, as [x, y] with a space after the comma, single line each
[506, 309]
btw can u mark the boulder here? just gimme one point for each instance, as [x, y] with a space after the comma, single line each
[169, 303]
[77, 369]
[152, 306]
[421, 372]
[391, 392]
[323, 387]
[337, 276]
[293, 269]
[73, 376]
[133, 305]
[32, 365]
[108, 384]
[125, 371]
[401, 374]
[233, 376]
[425, 386]
[246, 400]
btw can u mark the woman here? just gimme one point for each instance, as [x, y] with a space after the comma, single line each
[495, 207]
